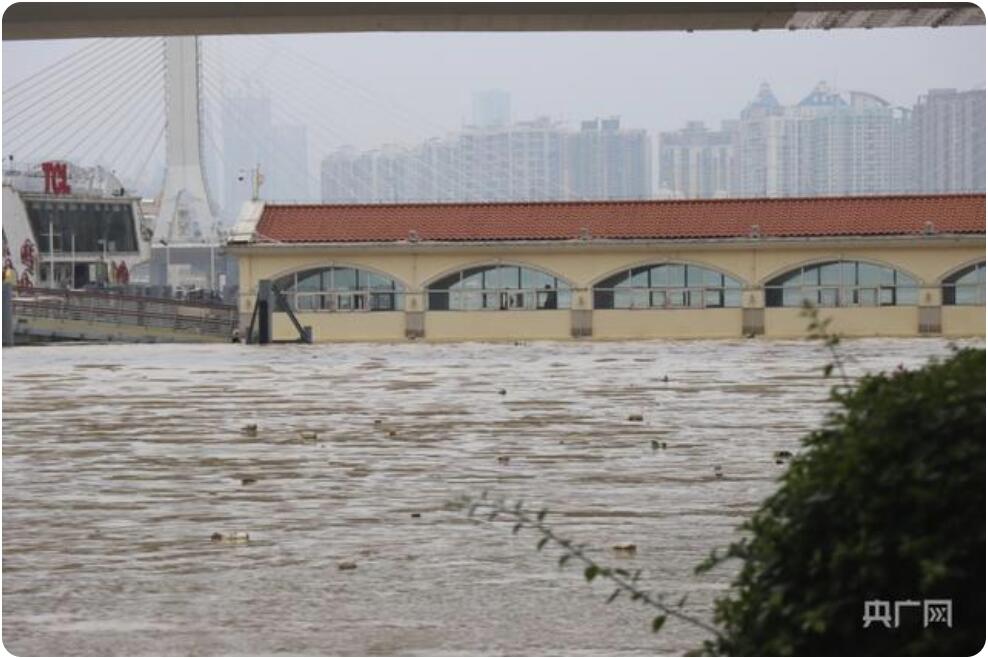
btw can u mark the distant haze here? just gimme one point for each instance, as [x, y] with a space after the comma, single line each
[656, 81]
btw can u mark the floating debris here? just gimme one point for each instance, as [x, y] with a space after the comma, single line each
[625, 550]
[346, 566]
[249, 430]
[781, 456]
[393, 433]
[665, 378]
[718, 471]
[308, 435]
[378, 421]
[232, 538]
[502, 391]
[246, 481]
[503, 459]
[416, 515]
[658, 445]
[636, 418]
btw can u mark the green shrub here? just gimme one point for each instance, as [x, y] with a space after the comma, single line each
[886, 502]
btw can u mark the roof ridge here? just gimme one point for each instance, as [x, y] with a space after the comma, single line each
[618, 202]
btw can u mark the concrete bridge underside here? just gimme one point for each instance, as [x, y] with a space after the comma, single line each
[34, 20]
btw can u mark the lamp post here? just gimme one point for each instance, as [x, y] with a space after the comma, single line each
[105, 263]
[168, 261]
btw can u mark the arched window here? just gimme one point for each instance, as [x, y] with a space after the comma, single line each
[842, 283]
[340, 289]
[499, 288]
[966, 287]
[667, 285]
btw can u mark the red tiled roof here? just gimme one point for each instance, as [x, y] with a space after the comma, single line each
[622, 220]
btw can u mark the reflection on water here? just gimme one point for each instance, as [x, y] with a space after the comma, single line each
[120, 462]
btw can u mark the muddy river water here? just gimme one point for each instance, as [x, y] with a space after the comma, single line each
[121, 461]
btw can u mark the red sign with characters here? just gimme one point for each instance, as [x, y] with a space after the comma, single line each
[56, 177]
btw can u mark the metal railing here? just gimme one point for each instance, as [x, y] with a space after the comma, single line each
[138, 311]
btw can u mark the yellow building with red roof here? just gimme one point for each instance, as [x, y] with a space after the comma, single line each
[878, 266]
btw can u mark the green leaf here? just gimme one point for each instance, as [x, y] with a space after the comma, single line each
[657, 623]
[591, 572]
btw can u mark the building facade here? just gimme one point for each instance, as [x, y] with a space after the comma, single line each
[831, 144]
[538, 160]
[605, 161]
[696, 163]
[949, 137]
[888, 266]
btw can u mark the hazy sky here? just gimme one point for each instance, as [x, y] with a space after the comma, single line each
[410, 86]
[653, 80]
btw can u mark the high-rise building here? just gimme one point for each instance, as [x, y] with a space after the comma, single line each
[606, 162]
[765, 148]
[696, 163]
[828, 144]
[949, 136]
[287, 179]
[521, 162]
[250, 139]
[491, 108]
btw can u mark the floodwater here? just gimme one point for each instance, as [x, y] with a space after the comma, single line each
[121, 461]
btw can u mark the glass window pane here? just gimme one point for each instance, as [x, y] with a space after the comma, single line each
[660, 276]
[848, 273]
[694, 276]
[677, 275]
[811, 276]
[969, 277]
[602, 298]
[903, 280]
[830, 273]
[732, 298]
[867, 297]
[906, 296]
[713, 298]
[639, 277]
[472, 278]
[827, 297]
[871, 275]
[344, 278]
[712, 278]
[310, 280]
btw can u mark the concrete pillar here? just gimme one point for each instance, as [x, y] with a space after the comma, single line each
[752, 312]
